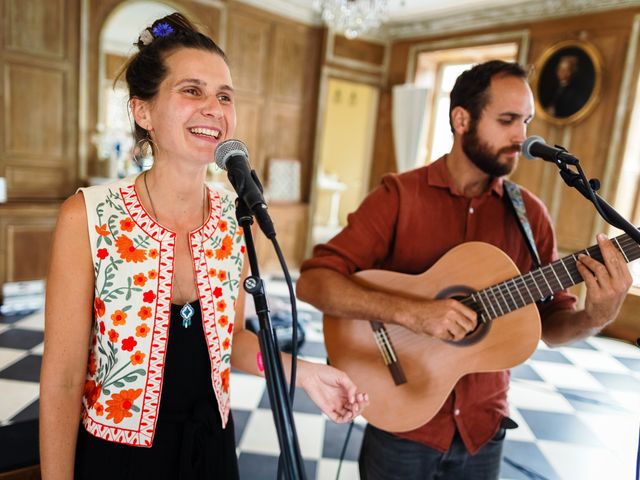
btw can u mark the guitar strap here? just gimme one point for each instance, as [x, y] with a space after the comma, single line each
[513, 192]
[515, 197]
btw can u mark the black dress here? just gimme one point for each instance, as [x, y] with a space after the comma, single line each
[189, 441]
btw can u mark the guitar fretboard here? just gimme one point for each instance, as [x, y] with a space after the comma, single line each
[540, 283]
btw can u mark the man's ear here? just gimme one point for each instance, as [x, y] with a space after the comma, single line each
[140, 111]
[460, 119]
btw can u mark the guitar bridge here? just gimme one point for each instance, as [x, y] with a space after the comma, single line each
[388, 353]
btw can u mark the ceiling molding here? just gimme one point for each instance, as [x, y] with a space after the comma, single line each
[301, 11]
[503, 15]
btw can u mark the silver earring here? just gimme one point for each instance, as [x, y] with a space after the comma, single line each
[142, 150]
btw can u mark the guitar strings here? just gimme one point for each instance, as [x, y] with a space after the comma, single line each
[498, 300]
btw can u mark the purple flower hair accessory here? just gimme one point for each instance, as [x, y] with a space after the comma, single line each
[162, 30]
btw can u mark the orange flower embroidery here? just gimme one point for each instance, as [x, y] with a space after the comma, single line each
[225, 250]
[208, 252]
[152, 273]
[222, 275]
[224, 375]
[223, 225]
[113, 336]
[99, 409]
[144, 313]
[223, 321]
[102, 230]
[128, 251]
[153, 253]
[221, 306]
[239, 231]
[137, 358]
[142, 330]
[98, 305]
[120, 404]
[119, 317]
[126, 224]
[226, 344]
[212, 272]
[139, 279]
[92, 392]
[92, 364]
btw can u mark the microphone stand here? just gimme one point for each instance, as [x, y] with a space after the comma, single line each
[273, 372]
[588, 189]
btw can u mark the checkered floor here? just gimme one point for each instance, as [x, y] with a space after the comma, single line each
[578, 408]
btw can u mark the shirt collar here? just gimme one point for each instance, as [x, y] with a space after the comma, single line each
[439, 177]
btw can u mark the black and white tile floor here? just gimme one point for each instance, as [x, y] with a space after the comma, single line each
[578, 408]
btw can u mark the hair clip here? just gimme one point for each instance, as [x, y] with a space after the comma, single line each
[145, 37]
[162, 30]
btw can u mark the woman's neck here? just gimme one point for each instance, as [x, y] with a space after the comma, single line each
[176, 195]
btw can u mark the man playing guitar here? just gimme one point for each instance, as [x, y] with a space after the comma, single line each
[411, 221]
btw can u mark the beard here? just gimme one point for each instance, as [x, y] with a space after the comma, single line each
[483, 156]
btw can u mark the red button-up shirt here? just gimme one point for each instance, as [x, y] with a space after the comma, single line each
[406, 225]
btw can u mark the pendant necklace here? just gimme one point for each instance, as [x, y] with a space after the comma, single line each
[187, 311]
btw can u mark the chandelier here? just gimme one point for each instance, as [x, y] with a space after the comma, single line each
[352, 17]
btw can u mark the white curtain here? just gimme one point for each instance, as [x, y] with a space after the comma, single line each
[408, 121]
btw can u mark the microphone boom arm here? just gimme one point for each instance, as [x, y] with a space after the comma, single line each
[588, 188]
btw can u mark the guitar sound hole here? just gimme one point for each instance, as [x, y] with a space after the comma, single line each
[460, 292]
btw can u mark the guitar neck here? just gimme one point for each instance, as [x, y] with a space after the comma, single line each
[542, 282]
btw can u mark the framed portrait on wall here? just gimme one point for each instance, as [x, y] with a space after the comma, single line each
[567, 81]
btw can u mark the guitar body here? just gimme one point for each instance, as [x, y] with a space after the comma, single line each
[431, 366]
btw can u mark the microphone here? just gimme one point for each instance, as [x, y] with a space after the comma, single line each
[232, 156]
[535, 147]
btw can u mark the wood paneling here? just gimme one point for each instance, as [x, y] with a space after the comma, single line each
[359, 50]
[206, 17]
[275, 64]
[627, 325]
[384, 159]
[248, 52]
[32, 90]
[283, 132]
[28, 249]
[39, 70]
[291, 222]
[37, 27]
[39, 97]
[249, 118]
[25, 241]
[36, 181]
[27, 473]
[113, 65]
[289, 75]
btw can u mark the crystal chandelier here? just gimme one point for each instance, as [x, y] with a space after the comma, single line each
[352, 17]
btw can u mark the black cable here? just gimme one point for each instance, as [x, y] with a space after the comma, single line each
[294, 319]
[344, 449]
[530, 473]
[294, 337]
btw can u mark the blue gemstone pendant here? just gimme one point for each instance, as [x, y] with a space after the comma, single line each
[186, 312]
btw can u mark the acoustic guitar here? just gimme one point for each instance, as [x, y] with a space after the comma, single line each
[409, 376]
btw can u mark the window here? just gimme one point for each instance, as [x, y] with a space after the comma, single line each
[437, 70]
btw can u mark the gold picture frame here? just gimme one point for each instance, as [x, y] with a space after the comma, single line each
[567, 81]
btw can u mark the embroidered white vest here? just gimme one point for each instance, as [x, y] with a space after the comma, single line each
[133, 264]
